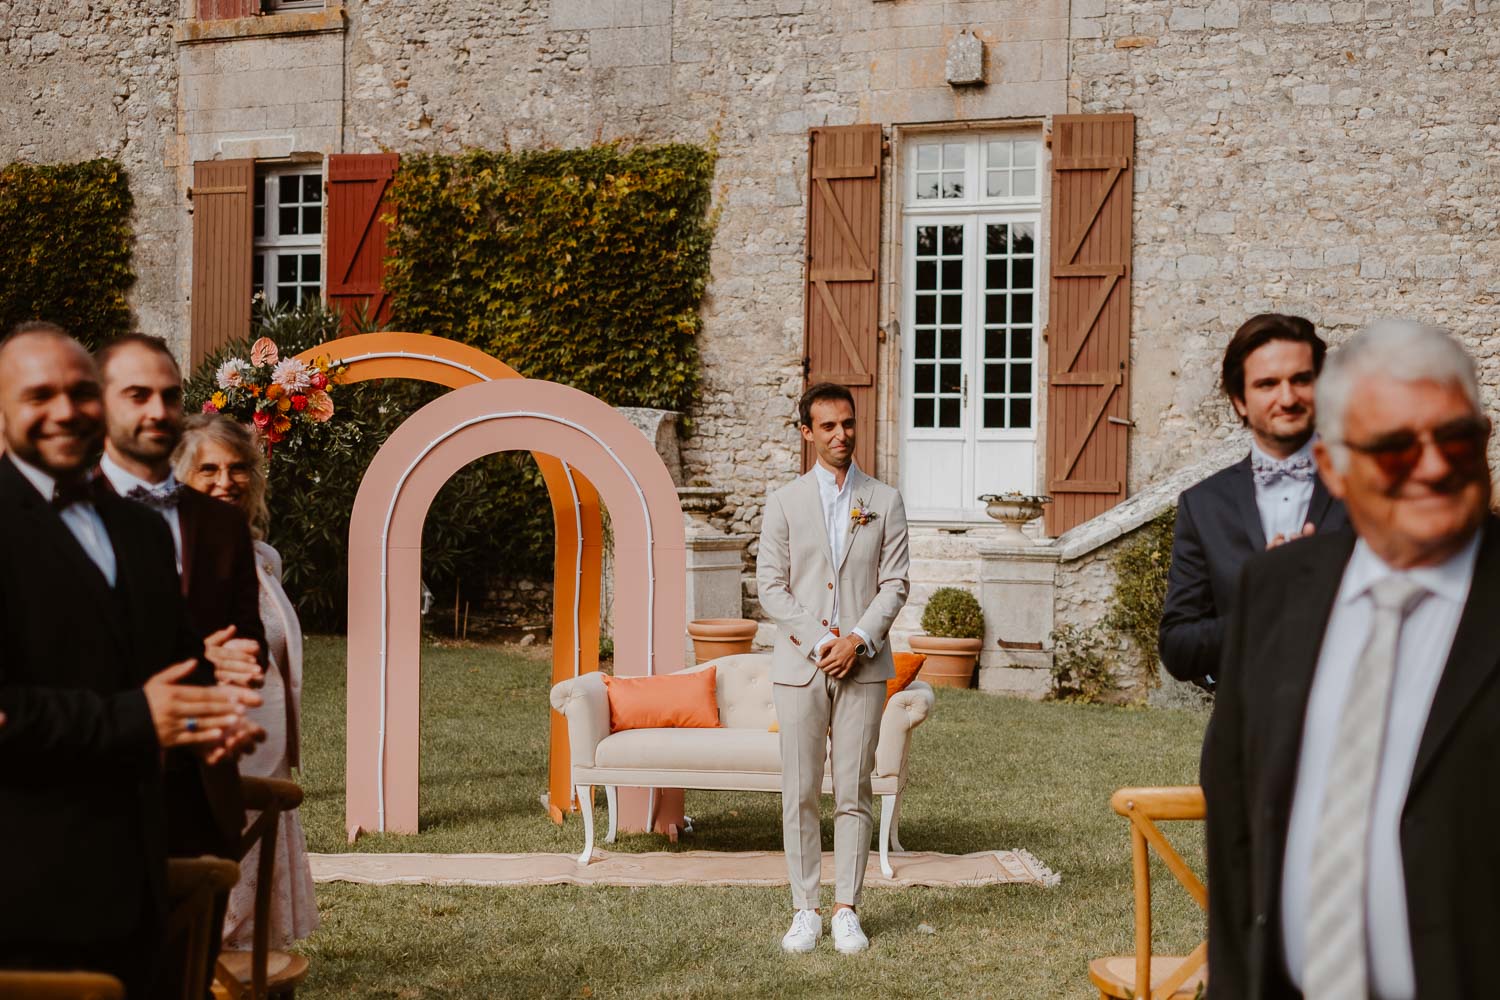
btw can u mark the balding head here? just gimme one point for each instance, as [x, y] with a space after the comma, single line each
[50, 403]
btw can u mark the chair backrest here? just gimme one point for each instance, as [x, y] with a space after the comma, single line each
[193, 888]
[60, 986]
[1144, 807]
[742, 687]
[268, 798]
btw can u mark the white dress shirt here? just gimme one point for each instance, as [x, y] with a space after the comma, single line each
[1421, 653]
[81, 518]
[1283, 504]
[124, 482]
[836, 506]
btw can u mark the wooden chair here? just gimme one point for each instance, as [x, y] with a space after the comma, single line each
[1144, 975]
[194, 885]
[60, 986]
[261, 972]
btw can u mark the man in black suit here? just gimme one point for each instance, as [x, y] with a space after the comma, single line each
[1352, 771]
[1273, 495]
[95, 657]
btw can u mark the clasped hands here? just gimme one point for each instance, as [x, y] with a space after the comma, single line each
[209, 720]
[839, 656]
[1281, 539]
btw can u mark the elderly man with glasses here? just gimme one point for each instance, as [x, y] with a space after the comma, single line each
[1351, 766]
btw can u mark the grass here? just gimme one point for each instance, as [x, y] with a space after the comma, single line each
[985, 773]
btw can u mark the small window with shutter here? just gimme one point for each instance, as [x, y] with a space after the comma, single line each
[288, 261]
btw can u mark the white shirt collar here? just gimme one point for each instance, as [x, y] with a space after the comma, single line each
[1448, 579]
[124, 482]
[1306, 449]
[45, 482]
[827, 480]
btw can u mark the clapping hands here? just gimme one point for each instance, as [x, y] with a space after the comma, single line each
[236, 661]
[210, 720]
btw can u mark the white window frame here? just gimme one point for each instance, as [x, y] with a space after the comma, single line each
[277, 6]
[268, 247]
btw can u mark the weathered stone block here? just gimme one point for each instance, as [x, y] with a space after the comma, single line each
[1222, 14]
[965, 61]
[644, 46]
[1186, 19]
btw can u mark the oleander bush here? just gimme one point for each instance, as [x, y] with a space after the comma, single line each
[65, 244]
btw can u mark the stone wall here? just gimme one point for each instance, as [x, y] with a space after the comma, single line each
[1332, 159]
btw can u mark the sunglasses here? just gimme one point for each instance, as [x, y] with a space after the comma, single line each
[1460, 442]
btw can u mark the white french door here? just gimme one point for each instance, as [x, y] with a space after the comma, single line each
[969, 381]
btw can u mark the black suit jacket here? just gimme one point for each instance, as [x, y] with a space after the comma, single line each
[1452, 809]
[82, 831]
[1218, 529]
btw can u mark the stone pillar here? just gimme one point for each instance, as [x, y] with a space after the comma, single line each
[1016, 591]
[714, 559]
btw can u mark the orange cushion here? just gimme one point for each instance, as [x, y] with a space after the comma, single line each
[666, 701]
[907, 665]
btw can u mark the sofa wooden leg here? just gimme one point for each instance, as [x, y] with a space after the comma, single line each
[586, 807]
[609, 797]
[887, 814]
[896, 824]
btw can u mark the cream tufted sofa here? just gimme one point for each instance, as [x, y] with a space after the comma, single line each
[742, 755]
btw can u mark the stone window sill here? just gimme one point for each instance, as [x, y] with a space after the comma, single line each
[299, 22]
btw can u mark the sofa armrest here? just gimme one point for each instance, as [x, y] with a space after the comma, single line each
[584, 702]
[904, 712]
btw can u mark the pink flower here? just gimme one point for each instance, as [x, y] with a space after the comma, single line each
[261, 418]
[291, 374]
[210, 408]
[318, 380]
[319, 406]
[231, 374]
[263, 352]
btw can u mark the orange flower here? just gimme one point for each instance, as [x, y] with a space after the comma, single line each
[283, 404]
[274, 391]
[282, 425]
[255, 390]
[319, 406]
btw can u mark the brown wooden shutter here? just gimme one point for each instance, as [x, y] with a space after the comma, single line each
[1088, 350]
[843, 250]
[357, 205]
[218, 10]
[223, 238]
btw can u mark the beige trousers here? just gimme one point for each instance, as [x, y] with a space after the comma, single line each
[823, 716]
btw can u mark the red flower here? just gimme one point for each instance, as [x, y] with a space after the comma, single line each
[299, 402]
[318, 381]
[261, 418]
[210, 408]
[273, 435]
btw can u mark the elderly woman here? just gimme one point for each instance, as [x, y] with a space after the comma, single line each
[221, 458]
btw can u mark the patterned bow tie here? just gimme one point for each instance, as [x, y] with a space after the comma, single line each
[1267, 470]
[66, 493]
[161, 498]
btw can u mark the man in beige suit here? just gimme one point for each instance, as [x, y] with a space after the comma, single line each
[832, 573]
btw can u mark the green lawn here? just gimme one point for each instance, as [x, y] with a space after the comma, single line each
[986, 772]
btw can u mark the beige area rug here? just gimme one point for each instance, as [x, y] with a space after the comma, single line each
[670, 868]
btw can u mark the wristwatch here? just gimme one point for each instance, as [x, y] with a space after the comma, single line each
[859, 648]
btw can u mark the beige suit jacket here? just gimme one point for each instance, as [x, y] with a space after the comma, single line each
[795, 570]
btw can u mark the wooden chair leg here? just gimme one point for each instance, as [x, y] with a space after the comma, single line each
[585, 806]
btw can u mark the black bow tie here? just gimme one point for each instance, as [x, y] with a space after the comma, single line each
[161, 498]
[65, 493]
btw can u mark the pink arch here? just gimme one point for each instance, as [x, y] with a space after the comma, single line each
[385, 560]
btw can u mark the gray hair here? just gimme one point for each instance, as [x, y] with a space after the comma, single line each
[239, 439]
[1398, 349]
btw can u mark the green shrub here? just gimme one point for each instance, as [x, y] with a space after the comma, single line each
[65, 242]
[1141, 565]
[582, 266]
[1082, 664]
[954, 614]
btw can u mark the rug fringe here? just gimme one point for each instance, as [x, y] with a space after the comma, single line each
[1046, 876]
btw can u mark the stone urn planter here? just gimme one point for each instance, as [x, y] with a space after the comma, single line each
[716, 637]
[1013, 510]
[954, 627]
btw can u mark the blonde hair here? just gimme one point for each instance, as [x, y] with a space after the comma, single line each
[230, 433]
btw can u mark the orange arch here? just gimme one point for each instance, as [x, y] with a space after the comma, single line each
[385, 556]
[578, 560]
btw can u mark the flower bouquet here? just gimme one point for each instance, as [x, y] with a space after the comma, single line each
[280, 397]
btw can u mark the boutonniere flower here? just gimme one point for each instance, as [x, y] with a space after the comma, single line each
[860, 513]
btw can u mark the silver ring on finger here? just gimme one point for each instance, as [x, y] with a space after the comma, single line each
[191, 725]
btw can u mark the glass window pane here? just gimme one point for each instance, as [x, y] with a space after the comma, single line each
[994, 378]
[1020, 272]
[1020, 378]
[994, 274]
[312, 187]
[927, 157]
[921, 413]
[312, 264]
[953, 185]
[287, 222]
[925, 380]
[1023, 238]
[994, 343]
[996, 238]
[994, 308]
[1020, 413]
[287, 191]
[950, 379]
[286, 293]
[927, 185]
[1020, 344]
[994, 413]
[312, 219]
[953, 156]
[953, 275]
[926, 275]
[1026, 150]
[953, 308]
[953, 240]
[1021, 309]
[926, 309]
[1025, 183]
[1000, 153]
[998, 184]
[926, 241]
[953, 339]
[260, 206]
[258, 272]
[286, 269]
[948, 413]
[926, 343]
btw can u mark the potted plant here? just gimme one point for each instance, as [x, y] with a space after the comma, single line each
[716, 637]
[954, 627]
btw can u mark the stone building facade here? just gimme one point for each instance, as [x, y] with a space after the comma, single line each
[1335, 159]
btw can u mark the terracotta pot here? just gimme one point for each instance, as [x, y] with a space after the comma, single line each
[716, 637]
[950, 662]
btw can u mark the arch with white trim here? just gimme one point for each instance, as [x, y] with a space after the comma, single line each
[586, 436]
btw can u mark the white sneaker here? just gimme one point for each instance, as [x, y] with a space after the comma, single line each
[848, 937]
[807, 928]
